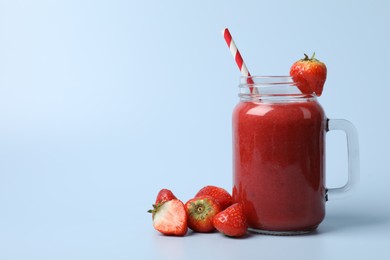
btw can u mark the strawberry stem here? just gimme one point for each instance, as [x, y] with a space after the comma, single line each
[155, 207]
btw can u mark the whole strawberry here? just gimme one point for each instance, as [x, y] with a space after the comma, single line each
[219, 194]
[170, 218]
[201, 211]
[309, 75]
[164, 195]
[231, 221]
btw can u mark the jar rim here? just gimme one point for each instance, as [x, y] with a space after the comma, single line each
[266, 80]
[273, 88]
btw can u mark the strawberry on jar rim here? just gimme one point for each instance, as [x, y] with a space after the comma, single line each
[309, 74]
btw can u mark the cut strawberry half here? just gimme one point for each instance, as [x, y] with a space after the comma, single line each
[170, 218]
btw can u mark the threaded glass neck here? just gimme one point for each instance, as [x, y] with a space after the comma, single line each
[271, 89]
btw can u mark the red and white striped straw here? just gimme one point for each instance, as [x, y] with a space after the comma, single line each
[237, 57]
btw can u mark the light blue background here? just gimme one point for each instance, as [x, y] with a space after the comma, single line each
[102, 103]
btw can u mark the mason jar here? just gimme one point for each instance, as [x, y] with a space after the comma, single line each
[279, 156]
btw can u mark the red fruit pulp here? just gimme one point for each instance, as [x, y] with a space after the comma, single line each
[170, 218]
[279, 164]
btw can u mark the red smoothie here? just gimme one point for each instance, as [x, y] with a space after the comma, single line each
[279, 164]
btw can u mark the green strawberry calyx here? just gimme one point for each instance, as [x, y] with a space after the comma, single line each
[155, 209]
[306, 58]
[201, 209]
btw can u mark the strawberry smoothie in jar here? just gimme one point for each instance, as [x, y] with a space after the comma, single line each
[279, 156]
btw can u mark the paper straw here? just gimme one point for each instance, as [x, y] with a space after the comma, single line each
[238, 58]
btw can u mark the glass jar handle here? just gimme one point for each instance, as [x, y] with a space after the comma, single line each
[353, 157]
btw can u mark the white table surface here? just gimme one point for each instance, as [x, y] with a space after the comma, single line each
[352, 228]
